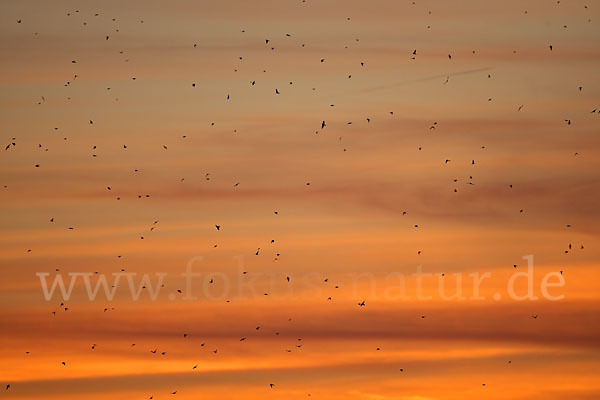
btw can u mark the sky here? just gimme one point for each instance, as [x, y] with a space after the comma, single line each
[300, 199]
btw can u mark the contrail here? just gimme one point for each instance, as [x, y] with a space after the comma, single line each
[429, 78]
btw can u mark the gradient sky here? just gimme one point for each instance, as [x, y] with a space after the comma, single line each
[182, 136]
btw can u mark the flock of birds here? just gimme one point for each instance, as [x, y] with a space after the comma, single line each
[321, 127]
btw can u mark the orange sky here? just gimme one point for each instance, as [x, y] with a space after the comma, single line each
[484, 91]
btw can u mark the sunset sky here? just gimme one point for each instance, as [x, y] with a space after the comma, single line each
[340, 147]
